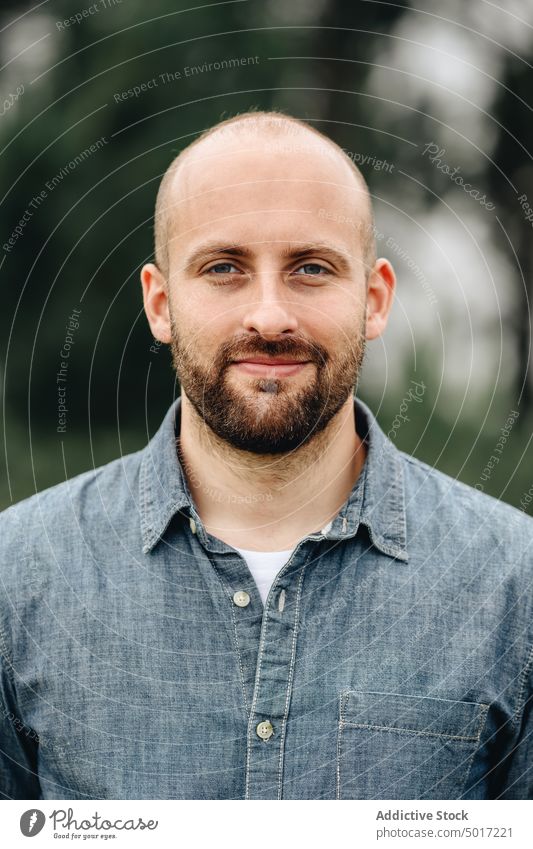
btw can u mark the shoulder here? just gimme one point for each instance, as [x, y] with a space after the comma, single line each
[109, 479]
[57, 517]
[422, 474]
[63, 538]
[464, 510]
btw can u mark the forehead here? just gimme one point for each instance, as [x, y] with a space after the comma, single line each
[269, 186]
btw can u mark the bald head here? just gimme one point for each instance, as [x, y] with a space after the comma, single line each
[269, 129]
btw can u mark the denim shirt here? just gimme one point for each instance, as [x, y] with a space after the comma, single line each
[392, 660]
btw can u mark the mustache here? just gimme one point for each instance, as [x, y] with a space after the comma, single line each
[298, 348]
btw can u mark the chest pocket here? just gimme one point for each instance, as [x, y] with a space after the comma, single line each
[394, 746]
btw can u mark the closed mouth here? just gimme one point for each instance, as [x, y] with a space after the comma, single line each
[270, 361]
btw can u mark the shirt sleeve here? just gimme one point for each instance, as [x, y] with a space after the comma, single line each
[18, 745]
[519, 778]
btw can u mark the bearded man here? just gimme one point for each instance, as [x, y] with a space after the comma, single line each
[270, 601]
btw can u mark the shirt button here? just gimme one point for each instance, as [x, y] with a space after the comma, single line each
[265, 730]
[192, 524]
[241, 598]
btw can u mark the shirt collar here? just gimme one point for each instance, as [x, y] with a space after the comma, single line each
[379, 503]
[163, 490]
[377, 499]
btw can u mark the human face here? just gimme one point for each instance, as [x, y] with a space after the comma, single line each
[267, 264]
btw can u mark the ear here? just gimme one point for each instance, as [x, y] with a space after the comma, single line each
[380, 295]
[156, 306]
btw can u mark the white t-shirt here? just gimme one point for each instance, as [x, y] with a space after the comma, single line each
[265, 565]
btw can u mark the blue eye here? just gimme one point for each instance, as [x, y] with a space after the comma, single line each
[222, 268]
[313, 268]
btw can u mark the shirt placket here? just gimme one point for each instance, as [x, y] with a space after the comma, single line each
[274, 679]
[274, 659]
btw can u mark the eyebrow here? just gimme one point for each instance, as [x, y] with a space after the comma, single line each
[337, 256]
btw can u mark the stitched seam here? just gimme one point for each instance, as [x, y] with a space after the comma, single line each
[410, 731]
[239, 657]
[339, 738]
[289, 683]
[5, 657]
[396, 512]
[228, 596]
[6, 660]
[252, 709]
[482, 723]
[145, 525]
[257, 679]
[347, 693]
[522, 691]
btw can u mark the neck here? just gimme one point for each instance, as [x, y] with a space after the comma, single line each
[269, 502]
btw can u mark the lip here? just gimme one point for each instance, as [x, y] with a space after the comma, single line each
[270, 367]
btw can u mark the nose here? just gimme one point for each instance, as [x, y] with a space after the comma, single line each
[269, 312]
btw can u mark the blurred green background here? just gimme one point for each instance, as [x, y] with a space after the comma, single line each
[394, 85]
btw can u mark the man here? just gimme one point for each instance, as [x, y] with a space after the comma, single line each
[269, 601]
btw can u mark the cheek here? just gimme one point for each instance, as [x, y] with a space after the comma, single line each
[204, 310]
[200, 329]
[335, 324]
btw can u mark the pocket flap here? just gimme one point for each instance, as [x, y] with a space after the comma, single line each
[415, 714]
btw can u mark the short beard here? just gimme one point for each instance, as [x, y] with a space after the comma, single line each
[267, 416]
